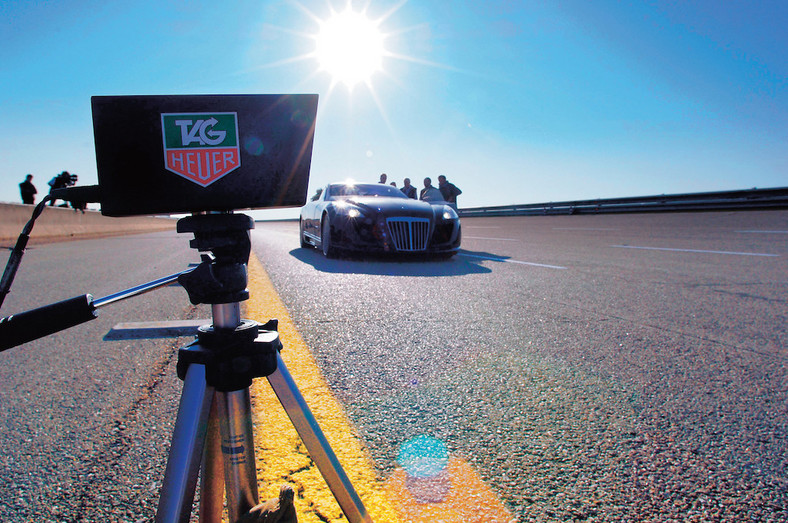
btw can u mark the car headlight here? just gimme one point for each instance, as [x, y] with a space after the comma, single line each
[353, 213]
[449, 213]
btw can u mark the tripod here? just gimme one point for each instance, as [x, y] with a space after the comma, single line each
[213, 436]
[213, 429]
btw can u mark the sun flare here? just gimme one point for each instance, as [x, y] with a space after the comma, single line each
[349, 46]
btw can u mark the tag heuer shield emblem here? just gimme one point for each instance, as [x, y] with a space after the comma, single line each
[201, 147]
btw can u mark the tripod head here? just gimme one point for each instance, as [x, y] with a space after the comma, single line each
[234, 351]
[221, 277]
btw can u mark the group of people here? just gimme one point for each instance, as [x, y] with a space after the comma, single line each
[65, 179]
[445, 192]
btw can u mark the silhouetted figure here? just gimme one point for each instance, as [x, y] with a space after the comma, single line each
[408, 189]
[448, 190]
[64, 179]
[28, 190]
[393, 184]
[430, 193]
[383, 178]
[277, 510]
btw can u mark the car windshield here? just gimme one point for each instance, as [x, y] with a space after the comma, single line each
[346, 190]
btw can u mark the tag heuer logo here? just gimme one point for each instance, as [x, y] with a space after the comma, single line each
[201, 147]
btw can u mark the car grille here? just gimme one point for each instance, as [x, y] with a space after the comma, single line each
[409, 234]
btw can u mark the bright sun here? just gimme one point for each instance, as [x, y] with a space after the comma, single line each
[349, 47]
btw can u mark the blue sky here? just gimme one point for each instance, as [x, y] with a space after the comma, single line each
[515, 102]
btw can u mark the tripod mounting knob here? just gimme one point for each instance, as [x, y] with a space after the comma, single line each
[233, 357]
[216, 283]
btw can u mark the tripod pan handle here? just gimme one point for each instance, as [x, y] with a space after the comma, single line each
[37, 323]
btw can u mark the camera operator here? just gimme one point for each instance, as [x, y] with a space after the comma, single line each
[64, 179]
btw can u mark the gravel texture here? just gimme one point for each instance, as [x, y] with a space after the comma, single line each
[632, 386]
[86, 423]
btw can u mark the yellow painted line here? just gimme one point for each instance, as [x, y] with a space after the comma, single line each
[282, 458]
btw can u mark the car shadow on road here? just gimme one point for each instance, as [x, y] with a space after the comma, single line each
[379, 265]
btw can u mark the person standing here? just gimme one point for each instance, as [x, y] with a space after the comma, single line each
[383, 178]
[430, 193]
[449, 191]
[408, 189]
[28, 190]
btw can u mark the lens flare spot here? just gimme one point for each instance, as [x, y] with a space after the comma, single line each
[254, 145]
[423, 456]
[424, 461]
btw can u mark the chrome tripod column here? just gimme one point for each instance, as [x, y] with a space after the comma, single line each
[234, 410]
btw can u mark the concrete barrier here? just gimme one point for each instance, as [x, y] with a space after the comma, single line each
[60, 224]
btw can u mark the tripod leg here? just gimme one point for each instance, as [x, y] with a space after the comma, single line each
[240, 472]
[186, 448]
[317, 444]
[212, 474]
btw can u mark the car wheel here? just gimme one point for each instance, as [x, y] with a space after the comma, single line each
[325, 239]
[304, 243]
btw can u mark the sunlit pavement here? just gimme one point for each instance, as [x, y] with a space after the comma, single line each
[427, 485]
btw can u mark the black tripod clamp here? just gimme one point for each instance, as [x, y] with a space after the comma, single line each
[233, 357]
[221, 277]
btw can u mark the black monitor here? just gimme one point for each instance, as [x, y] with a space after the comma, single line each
[183, 154]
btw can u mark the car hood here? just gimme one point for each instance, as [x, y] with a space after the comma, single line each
[392, 206]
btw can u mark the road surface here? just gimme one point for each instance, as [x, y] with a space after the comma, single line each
[590, 367]
[600, 368]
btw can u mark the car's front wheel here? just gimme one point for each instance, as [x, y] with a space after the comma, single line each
[329, 251]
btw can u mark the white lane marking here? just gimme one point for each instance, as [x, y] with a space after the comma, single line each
[484, 238]
[695, 250]
[764, 232]
[584, 229]
[511, 261]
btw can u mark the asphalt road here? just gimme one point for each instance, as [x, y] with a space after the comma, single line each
[86, 424]
[608, 368]
[589, 367]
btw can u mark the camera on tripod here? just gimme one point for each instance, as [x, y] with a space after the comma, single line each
[64, 179]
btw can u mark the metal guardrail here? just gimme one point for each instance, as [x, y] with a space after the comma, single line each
[748, 199]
